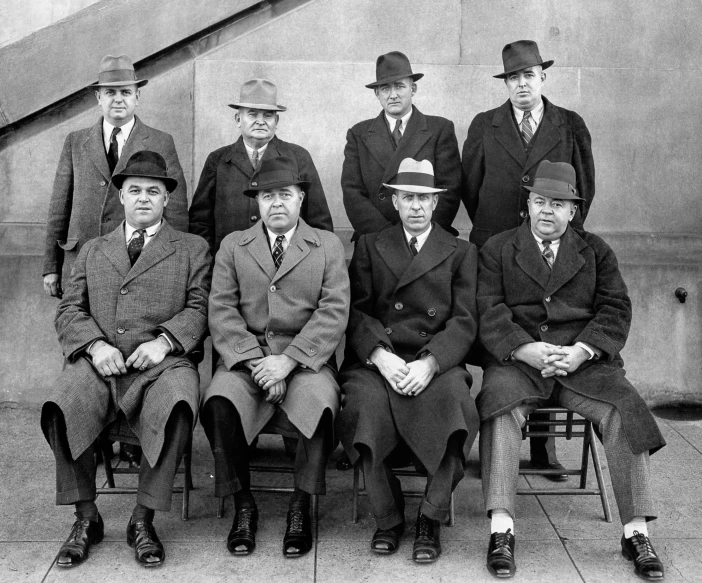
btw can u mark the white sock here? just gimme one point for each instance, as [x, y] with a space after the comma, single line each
[501, 521]
[637, 523]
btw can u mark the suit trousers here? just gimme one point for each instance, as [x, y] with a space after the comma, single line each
[75, 479]
[225, 432]
[500, 441]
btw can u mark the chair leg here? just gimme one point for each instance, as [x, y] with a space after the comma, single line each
[220, 508]
[187, 484]
[598, 474]
[585, 455]
[315, 511]
[106, 449]
[354, 505]
[452, 511]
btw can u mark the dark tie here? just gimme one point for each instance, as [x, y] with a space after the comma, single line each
[527, 132]
[396, 134]
[254, 158]
[413, 245]
[112, 153]
[548, 255]
[278, 251]
[136, 244]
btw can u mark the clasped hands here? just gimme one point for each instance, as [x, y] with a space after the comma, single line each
[550, 359]
[270, 372]
[108, 360]
[405, 378]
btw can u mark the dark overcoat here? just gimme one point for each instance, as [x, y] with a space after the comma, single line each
[412, 305]
[107, 298]
[583, 299]
[371, 159]
[84, 202]
[496, 165]
[219, 206]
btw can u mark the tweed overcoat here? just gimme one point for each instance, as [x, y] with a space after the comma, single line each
[84, 202]
[583, 299]
[413, 305]
[219, 206]
[300, 310]
[371, 159]
[496, 166]
[107, 298]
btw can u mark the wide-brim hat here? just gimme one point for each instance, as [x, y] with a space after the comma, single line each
[415, 176]
[519, 55]
[555, 180]
[275, 173]
[117, 71]
[391, 67]
[258, 94]
[146, 164]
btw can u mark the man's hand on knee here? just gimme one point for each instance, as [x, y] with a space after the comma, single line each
[149, 354]
[276, 392]
[107, 360]
[272, 369]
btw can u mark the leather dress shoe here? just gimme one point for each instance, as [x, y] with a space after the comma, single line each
[83, 534]
[242, 537]
[500, 556]
[298, 534]
[148, 550]
[387, 541]
[551, 466]
[427, 541]
[639, 549]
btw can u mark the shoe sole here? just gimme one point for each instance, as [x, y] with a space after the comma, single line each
[628, 557]
[97, 541]
[500, 575]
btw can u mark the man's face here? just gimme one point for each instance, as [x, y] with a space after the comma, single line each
[396, 97]
[256, 125]
[415, 210]
[143, 200]
[549, 216]
[118, 103]
[525, 87]
[280, 207]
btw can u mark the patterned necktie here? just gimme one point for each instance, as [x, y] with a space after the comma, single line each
[136, 244]
[396, 134]
[548, 255]
[254, 158]
[112, 153]
[413, 245]
[278, 251]
[527, 132]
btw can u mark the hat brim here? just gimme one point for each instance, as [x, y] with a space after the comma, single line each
[414, 188]
[170, 183]
[138, 83]
[414, 77]
[553, 193]
[265, 106]
[252, 192]
[544, 65]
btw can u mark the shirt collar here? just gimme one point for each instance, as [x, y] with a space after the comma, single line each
[421, 239]
[554, 244]
[250, 150]
[107, 128]
[536, 113]
[272, 236]
[150, 231]
[392, 121]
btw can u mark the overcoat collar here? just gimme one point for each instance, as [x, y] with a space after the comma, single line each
[392, 248]
[95, 146]
[238, 155]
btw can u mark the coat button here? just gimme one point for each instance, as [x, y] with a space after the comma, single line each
[548, 298]
[254, 218]
[422, 334]
[120, 330]
[525, 178]
[105, 220]
[523, 214]
[270, 335]
[124, 291]
[238, 347]
[381, 196]
[272, 288]
[431, 312]
[544, 327]
[388, 330]
[194, 337]
[399, 306]
[103, 183]
[313, 351]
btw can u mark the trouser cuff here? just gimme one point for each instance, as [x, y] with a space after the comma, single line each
[224, 489]
[310, 486]
[433, 512]
[75, 495]
[394, 519]
[161, 503]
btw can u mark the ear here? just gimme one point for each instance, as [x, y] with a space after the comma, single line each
[435, 201]
[121, 197]
[543, 77]
[302, 195]
[414, 88]
[573, 208]
[394, 201]
[166, 198]
[237, 118]
[277, 119]
[138, 95]
[375, 90]
[97, 95]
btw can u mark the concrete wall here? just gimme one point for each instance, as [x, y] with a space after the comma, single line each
[628, 68]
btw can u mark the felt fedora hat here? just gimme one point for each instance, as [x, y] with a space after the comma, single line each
[258, 94]
[117, 71]
[415, 176]
[520, 55]
[146, 164]
[275, 173]
[391, 67]
[555, 180]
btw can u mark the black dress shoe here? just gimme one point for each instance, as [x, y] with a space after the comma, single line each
[298, 534]
[427, 540]
[386, 542]
[500, 556]
[242, 537]
[148, 550]
[551, 466]
[83, 534]
[130, 454]
[343, 463]
[639, 549]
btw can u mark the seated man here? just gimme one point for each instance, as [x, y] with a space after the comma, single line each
[278, 310]
[135, 308]
[554, 315]
[413, 320]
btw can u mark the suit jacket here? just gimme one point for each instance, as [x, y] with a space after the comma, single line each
[84, 202]
[583, 299]
[371, 159]
[219, 206]
[496, 165]
[107, 298]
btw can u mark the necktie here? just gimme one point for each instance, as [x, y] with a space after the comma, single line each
[413, 245]
[112, 153]
[527, 132]
[548, 255]
[254, 158]
[136, 244]
[278, 251]
[396, 134]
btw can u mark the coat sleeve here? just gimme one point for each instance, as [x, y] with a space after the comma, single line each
[473, 166]
[448, 175]
[176, 213]
[319, 338]
[584, 165]
[59, 210]
[317, 215]
[202, 208]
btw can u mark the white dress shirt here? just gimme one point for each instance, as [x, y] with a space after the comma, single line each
[405, 119]
[421, 239]
[121, 138]
[536, 114]
[288, 236]
[150, 232]
[250, 151]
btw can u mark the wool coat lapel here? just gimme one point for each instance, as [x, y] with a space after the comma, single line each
[568, 261]
[240, 158]
[136, 142]
[416, 135]
[257, 245]
[392, 247]
[379, 142]
[116, 250]
[298, 249]
[528, 256]
[436, 249]
[157, 250]
[94, 147]
[547, 136]
[507, 135]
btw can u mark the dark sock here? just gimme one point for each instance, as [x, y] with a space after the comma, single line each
[87, 510]
[244, 499]
[142, 513]
[300, 500]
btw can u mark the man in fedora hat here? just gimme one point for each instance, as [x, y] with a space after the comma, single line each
[406, 389]
[278, 310]
[500, 155]
[554, 316]
[133, 312]
[219, 206]
[375, 147]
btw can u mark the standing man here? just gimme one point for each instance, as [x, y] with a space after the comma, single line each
[278, 310]
[413, 319]
[219, 206]
[375, 147]
[135, 308]
[500, 155]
